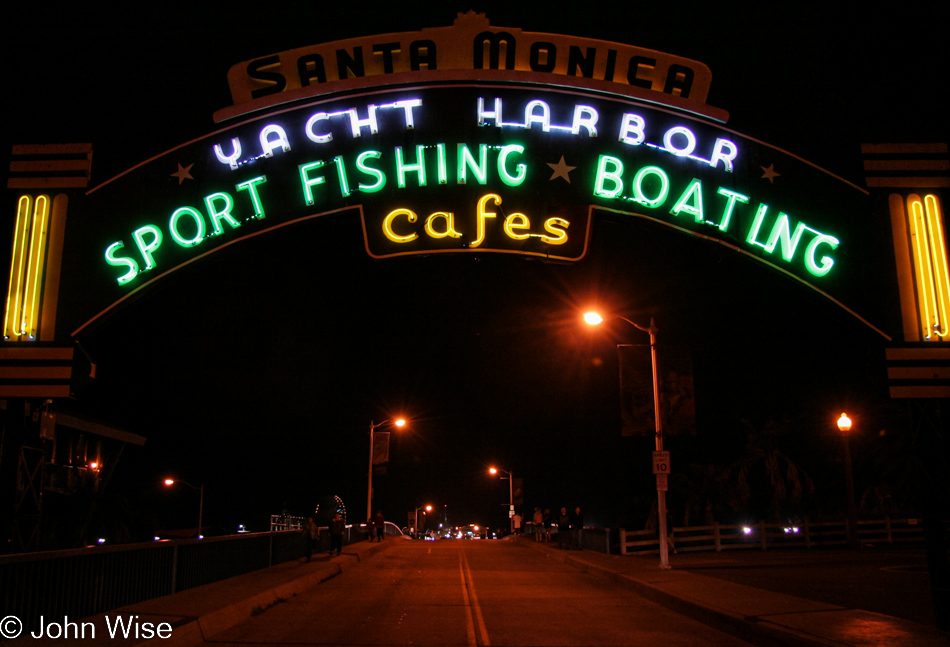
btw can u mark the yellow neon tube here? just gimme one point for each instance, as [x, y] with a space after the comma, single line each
[939, 254]
[34, 277]
[930, 265]
[17, 258]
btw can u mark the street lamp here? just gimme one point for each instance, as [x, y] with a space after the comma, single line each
[593, 319]
[201, 499]
[511, 495]
[369, 486]
[844, 426]
[415, 528]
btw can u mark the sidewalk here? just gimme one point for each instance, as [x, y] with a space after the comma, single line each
[758, 616]
[203, 611]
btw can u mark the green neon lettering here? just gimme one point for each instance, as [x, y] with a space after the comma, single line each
[640, 196]
[251, 187]
[341, 174]
[199, 226]
[466, 162]
[781, 233]
[224, 213]
[693, 192]
[826, 261]
[419, 168]
[148, 248]
[443, 170]
[307, 182]
[370, 171]
[756, 225]
[521, 171]
[609, 170]
[731, 198]
[121, 261]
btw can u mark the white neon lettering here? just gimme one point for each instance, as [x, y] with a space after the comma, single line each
[585, 117]
[724, 151]
[357, 124]
[631, 129]
[684, 132]
[232, 159]
[268, 145]
[531, 118]
[314, 137]
[485, 115]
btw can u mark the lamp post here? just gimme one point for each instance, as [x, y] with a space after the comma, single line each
[511, 496]
[201, 498]
[844, 426]
[593, 319]
[369, 485]
[415, 528]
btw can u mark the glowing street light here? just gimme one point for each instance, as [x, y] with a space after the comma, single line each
[593, 319]
[415, 528]
[399, 422]
[844, 426]
[511, 495]
[201, 500]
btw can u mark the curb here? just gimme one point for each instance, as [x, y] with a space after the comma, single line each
[752, 630]
[190, 630]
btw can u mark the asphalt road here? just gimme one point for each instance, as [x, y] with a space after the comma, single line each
[892, 581]
[450, 593]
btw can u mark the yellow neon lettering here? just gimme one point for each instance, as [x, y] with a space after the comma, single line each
[34, 278]
[554, 226]
[17, 260]
[449, 219]
[482, 215]
[930, 264]
[388, 225]
[514, 222]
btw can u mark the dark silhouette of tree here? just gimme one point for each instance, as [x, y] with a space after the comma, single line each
[764, 476]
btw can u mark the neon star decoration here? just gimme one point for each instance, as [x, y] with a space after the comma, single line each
[562, 170]
[183, 173]
[770, 173]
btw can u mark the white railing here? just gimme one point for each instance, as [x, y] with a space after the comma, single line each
[808, 534]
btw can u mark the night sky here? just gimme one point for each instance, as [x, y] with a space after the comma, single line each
[257, 372]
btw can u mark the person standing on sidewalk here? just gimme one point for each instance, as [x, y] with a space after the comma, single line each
[336, 534]
[564, 530]
[538, 521]
[310, 534]
[577, 528]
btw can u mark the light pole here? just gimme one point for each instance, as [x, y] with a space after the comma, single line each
[201, 498]
[369, 486]
[511, 496]
[415, 528]
[593, 319]
[844, 426]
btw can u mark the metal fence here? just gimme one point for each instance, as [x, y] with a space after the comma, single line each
[764, 536]
[87, 581]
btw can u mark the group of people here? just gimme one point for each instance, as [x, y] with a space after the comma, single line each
[311, 535]
[569, 525]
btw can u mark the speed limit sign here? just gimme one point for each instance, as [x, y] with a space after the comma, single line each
[661, 462]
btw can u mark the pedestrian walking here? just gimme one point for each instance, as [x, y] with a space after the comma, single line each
[564, 530]
[310, 534]
[336, 534]
[538, 521]
[577, 528]
[380, 524]
[516, 523]
[547, 521]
